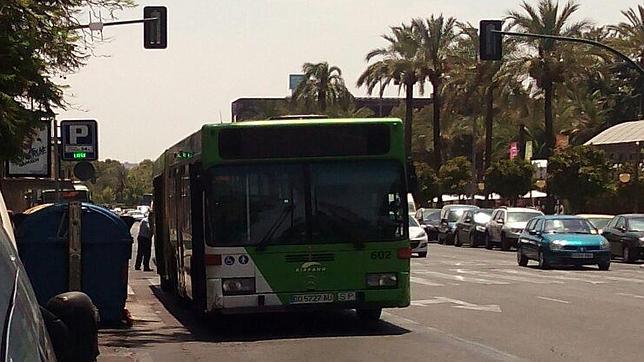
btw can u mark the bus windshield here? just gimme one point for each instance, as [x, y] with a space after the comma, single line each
[299, 203]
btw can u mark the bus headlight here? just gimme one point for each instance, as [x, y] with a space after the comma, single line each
[237, 286]
[382, 280]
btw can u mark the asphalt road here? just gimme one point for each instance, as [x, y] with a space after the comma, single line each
[468, 305]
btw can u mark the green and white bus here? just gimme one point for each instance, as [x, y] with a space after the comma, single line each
[285, 215]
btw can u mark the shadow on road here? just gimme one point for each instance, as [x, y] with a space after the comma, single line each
[270, 326]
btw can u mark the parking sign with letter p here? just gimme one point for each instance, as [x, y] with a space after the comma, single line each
[79, 140]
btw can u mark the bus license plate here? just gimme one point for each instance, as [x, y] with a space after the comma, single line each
[312, 298]
[582, 255]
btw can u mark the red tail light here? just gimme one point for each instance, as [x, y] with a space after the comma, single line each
[404, 253]
[212, 259]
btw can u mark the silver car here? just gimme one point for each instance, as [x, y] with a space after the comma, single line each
[506, 225]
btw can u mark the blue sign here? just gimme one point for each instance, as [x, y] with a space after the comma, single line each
[229, 260]
[243, 259]
[79, 140]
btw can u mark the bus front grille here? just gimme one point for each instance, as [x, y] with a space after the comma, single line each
[300, 258]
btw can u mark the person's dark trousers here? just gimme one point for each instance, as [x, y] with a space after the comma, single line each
[143, 253]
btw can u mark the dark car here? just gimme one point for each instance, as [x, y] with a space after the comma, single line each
[429, 220]
[562, 240]
[450, 214]
[625, 233]
[470, 228]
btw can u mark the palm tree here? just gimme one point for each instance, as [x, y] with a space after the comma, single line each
[323, 84]
[631, 39]
[437, 36]
[552, 62]
[399, 64]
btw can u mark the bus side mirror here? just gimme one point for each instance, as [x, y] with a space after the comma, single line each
[155, 32]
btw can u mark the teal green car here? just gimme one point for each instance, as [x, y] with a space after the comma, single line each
[562, 240]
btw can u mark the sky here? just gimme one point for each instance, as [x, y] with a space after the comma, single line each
[146, 100]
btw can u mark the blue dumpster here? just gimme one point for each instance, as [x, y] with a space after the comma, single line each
[106, 246]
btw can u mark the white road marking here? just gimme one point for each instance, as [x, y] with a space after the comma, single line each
[631, 295]
[554, 300]
[461, 278]
[547, 275]
[130, 291]
[424, 281]
[509, 277]
[475, 347]
[459, 304]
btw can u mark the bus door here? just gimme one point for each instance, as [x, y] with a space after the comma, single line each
[184, 230]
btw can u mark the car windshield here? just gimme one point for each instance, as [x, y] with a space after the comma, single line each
[454, 215]
[413, 222]
[306, 203]
[599, 223]
[636, 224]
[432, 215]
[568, 226]
[483, 216]
[521, 216]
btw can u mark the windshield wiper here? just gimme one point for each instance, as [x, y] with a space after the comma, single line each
[288, 210]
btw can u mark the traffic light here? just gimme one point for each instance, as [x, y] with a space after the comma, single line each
[155, 32]
[490, 44]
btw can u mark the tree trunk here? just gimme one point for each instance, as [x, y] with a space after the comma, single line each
[409, 111]
[549, 130]
[322, 101]
[437, 125]
[489, 120]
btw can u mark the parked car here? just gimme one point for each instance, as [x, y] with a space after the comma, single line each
[5, 221]
[417, 238]
[429, 220]
[449, 216]
[28, 339]
[506, 224]
[470, 228]
[562, 240]
[625, 233]
[136, 215]
[599, 221]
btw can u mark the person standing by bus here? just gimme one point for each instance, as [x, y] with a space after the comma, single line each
[144, 251]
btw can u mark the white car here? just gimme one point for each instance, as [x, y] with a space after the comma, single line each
[417, 238]
[136, 215]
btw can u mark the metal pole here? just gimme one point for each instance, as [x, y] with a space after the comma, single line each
[56, 161]
[74, 245]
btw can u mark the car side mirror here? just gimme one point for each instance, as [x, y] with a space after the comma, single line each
[622, 229]
[534, 232]
[501, 221]
[469, 219]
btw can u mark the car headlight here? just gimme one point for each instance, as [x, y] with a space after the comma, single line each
[604, 244]
[517, 230]
[480, 228]
[558, 244]
[237, 286]
[642, 238]
[382, 280]
[419, 236]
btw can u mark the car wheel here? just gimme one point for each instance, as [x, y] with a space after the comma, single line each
[422, 254]
[505, 243]
[543, 262]
[488, 242]
[604, 266]
[457, 240]
[369, 315]
[629, 257]
[473, 242]
[522, 260]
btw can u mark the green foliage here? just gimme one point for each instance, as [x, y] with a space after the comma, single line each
[427, 182]
[116, 184]
[37, 43]
[322, 86]
[509, 178]
[579, 174]
[455, 176]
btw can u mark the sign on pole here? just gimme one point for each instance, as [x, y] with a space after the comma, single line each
[37, 158]
[79, 140]
[294, 80]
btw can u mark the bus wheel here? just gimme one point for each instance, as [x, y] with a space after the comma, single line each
[369, 315]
